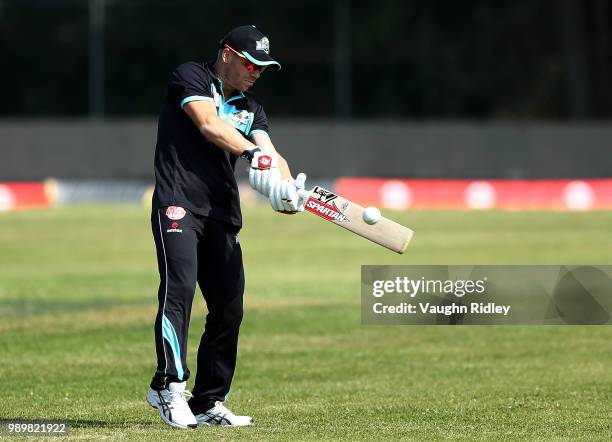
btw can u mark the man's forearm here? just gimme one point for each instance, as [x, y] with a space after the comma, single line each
[223, 135]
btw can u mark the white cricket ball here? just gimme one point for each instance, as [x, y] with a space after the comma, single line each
[371, 215]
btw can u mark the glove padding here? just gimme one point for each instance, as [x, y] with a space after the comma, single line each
[285, 195]
[264, 173]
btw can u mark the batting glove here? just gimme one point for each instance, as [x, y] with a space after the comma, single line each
[264, 173]
[285, 195]
[299, 184]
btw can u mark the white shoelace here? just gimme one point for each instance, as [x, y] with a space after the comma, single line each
[223, 409]
[179, 398]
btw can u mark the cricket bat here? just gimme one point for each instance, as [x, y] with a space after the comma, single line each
[349, 215]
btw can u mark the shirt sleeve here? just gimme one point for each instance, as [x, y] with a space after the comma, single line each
[260, 121]
[189, 83]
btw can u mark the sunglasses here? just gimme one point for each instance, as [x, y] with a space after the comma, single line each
[249, 65]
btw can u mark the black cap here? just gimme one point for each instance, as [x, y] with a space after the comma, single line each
[251, 43]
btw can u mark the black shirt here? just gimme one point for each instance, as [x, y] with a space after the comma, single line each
[190, 171]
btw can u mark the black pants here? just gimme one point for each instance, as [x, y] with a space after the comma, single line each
[189, 250]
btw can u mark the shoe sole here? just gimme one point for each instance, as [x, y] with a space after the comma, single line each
[208, 424]
[168, 421]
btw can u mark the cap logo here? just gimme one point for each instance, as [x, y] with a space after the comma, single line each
[263, 45]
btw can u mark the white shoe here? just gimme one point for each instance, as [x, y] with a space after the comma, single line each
[220, 415]
[172, 405]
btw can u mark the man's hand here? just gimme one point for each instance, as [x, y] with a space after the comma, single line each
[264, 172]
[285, 195]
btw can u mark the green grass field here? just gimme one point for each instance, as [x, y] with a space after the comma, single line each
[78, 299]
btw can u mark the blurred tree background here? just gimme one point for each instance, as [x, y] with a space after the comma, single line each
[480, 59]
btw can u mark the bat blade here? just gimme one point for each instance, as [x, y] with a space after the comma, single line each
[349, 215]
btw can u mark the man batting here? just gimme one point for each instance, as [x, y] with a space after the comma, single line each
[207, 120]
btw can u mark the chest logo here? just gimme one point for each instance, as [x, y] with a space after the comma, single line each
[240, 118]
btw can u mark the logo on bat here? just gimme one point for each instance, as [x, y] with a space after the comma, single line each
[328, 211]
[323, 195]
